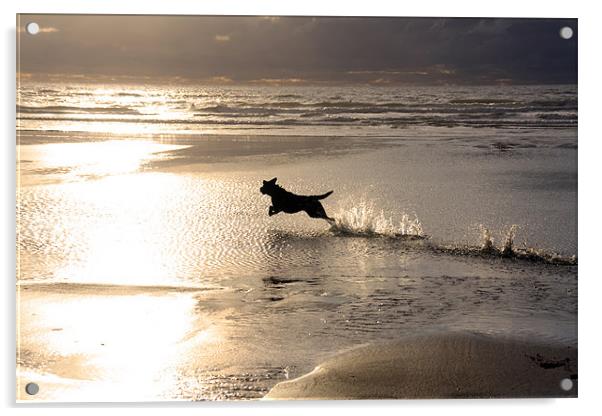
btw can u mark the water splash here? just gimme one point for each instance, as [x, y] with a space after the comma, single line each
[364, 220]
[508, 249]
[487, 246]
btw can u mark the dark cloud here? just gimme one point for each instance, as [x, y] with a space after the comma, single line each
[301, 49]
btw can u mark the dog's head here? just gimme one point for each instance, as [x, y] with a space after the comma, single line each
[269, 187]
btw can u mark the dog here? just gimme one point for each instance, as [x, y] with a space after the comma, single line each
[288, 202]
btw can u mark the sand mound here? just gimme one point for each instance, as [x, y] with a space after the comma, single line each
[460, 365]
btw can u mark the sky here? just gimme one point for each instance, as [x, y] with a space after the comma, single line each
[298, 50]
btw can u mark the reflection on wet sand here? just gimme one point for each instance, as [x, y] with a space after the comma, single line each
[114, 346]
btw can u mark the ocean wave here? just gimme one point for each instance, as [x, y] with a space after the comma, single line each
[256, 120]
[307, 110]
[556, 102]
[569, 102]
[557, 116]
[235, 111]
[129, 94]
[289, 96]
[524, 107]
[482, 101]
[405, 113]
[63, 109]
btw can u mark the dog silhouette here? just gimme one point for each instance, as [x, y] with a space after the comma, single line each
[290, 203]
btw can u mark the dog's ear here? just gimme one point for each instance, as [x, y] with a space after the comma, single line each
[273, 181]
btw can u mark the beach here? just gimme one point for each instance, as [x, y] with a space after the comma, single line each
[149, 269]
[453, 365]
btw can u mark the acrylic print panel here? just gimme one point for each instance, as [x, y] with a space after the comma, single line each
[233, 208]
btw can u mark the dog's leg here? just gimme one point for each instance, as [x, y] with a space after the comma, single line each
[331, 221]
[272, 211]
[318, 211]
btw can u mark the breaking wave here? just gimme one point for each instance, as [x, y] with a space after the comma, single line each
[306, 109]
[64, 109]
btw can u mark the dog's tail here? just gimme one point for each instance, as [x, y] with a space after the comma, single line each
[326, 195]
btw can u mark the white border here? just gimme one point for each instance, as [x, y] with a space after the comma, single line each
[589, 187]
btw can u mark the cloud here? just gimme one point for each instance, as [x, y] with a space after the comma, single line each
[272, 19]
[221, 80]
[279, 81]
[380, 81]
[443, 69]
[386, 72]
[222, 38]
[311, 49]
[367, 72]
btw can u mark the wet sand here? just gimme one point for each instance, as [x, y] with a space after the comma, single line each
[456, 365]
[90, 342]
[160, 276]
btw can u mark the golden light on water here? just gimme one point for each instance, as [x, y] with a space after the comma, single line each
[92, 159]
[107, 222]
[123, 348]
[122, 327]
[126, 229]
